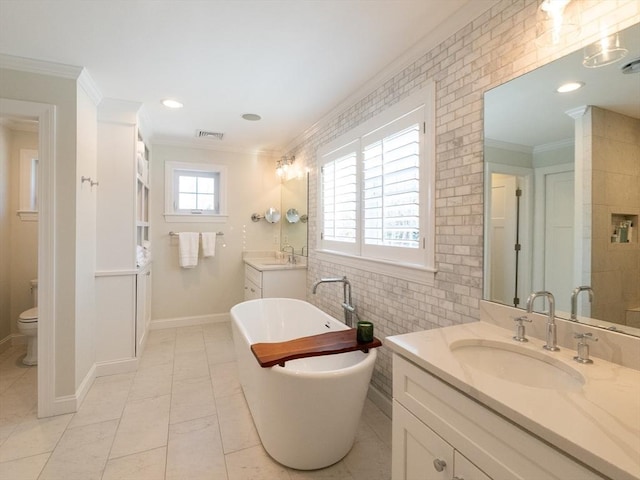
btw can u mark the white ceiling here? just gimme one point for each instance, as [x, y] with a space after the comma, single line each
[290, 61]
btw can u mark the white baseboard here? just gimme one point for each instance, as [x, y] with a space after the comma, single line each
[6, 342]
[85, 385]
[189, 321]
[115, 367]
[380, 400]
[63, 405]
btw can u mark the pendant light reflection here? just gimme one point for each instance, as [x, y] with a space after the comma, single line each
[605, 51]
[557, 21]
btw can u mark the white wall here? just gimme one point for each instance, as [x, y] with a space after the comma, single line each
[5, 227]
[87, 137]
[216, 284]
[60, 92]
[554, 156]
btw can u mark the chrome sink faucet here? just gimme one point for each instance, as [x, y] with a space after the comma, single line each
[292, 257]
[347, 306]
[574, 299]
[552, 337]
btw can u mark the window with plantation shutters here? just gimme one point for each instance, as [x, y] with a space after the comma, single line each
[376, 187]
[339, 199]
[391, 186]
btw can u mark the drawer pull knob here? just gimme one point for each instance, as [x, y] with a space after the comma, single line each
[439, 464]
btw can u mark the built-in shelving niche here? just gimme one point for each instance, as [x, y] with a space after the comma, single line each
[624, 228]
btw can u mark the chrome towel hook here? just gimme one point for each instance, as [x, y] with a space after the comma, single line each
[88, 179]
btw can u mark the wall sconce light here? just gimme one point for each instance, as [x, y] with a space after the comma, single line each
[284, 164]
[556, 21]
[605, 51]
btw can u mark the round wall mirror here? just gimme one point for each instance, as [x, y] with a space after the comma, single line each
[292, 215]
[272, 215]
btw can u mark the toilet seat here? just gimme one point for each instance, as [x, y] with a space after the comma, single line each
[29, 316]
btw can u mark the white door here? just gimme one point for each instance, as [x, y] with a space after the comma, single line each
[502, 238]
[558, 260]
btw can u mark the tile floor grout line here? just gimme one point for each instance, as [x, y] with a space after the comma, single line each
[113, 440]
[173, 367]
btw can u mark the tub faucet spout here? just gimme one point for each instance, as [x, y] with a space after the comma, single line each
[552, 337]
[574, 299]
[347, 306]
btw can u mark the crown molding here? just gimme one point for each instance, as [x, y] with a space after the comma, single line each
[40, 67]
[547, 147]
[52, 69]
[85, 81]
[512, 147]
[577, 112]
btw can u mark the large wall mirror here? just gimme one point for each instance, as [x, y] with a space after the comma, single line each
[562, 196]
[294, 206]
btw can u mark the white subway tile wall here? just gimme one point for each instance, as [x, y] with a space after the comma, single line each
[496, 47]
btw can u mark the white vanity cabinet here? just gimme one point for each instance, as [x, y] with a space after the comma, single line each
[422, 454]
[271, 282]
[252, 283]
[434, 422]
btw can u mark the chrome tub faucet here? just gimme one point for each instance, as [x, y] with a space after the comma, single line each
[347, 306]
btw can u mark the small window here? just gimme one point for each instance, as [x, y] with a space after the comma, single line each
[195, 190]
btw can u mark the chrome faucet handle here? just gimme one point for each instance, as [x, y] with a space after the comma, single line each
[520, 331]
[583, 347]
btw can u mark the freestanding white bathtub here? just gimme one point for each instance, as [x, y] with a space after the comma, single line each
[306, 412]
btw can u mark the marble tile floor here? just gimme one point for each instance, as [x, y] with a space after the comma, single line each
[182, 415]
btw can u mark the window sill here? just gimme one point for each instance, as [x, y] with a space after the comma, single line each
[411, 273]
[28, 215]
[191, 218]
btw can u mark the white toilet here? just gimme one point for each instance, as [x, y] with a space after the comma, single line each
[28, 326]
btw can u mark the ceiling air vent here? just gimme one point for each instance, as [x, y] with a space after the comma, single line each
[632, 67]
[206, 134]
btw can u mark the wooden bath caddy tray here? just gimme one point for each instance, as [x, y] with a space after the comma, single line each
[276, 353]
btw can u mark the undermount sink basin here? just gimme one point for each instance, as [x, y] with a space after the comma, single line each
[516, 364]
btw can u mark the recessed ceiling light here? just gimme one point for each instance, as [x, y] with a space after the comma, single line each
[172, 103]
[251, 117]
[569, 87]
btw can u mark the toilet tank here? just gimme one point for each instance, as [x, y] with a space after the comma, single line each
[34, 292]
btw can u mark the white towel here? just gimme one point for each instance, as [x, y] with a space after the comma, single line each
[189, 243]
[208, 244]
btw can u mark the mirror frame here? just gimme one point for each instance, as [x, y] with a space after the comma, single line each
[623, 328]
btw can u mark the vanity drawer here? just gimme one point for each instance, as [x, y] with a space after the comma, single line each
[255, 276]
[493, 443]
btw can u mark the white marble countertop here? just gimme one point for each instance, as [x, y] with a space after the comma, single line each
[273, 263]
[598, 424]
